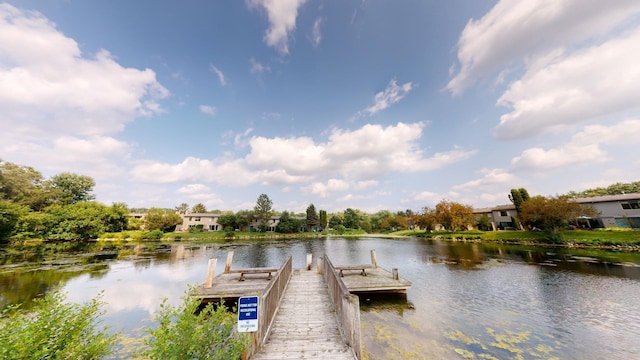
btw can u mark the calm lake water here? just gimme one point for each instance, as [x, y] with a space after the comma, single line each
[468, 300]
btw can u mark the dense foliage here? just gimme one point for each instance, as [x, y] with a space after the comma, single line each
[552, 214]
[615, 189]
[54, 329]
[186, 332]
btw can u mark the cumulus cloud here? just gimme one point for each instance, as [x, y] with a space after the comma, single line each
[583, 146]
[514, 31]
[570, 89]
[358, 156]
[389, 96]
[208, 110]
[220, 75]
[62, 105]
[282, 16]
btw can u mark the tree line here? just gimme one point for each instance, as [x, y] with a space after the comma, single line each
[63, 208]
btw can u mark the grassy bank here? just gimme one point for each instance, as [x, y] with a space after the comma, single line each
[615, 238]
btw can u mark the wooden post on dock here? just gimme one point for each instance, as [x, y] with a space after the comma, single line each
[211, 271]
[227, 266]
[319, 266]
[309, 263]
[394, 273]
[374, 261]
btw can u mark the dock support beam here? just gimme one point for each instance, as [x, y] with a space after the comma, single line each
[211, 271]
[309, 263]
[227, 266]
[374, 261]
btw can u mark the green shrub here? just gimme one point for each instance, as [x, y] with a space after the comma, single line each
[54, 329]
[186, 333]
[196, 229]
[153, 235]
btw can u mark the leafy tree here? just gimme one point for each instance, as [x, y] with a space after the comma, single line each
[615, 189]
[288, 224]
[182, 208]
[116, 218]
[199, 208]
[187, 332]
[312, 218]
[135, 224]
[394, 223]
[162, 219]
[518, 197]
[323, 219]
[335, 221]
[427, 219]
[454, 216]
[378, 218]
[365, 224]
[553, 214]
[243, 218]
[263, 209]
[23, 185]
[351, 219]
[79, 221]
[484, 223]
[228, 220]
[55, 329]
[10, 214]
[72, 188]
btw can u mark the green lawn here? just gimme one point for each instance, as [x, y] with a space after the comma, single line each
[577, 237]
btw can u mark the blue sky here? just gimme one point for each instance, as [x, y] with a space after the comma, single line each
[364, 104]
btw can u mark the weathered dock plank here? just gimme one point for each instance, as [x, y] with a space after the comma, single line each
[377, 280]
[305, 326]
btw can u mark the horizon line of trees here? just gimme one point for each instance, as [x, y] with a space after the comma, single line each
[63, 208]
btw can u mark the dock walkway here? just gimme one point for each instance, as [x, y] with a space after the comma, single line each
[305, 326]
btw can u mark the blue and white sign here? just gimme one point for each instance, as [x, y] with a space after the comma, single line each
[248, 314]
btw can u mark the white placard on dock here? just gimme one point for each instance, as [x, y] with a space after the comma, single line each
[248, 314]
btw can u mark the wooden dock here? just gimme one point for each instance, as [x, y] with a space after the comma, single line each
[303, 314]
[305, 326]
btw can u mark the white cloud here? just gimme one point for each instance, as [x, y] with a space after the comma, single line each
[490, 178]
[194, 189]
[282, 16]
[220, 75]
[584, 148]
[60, 104]
[257, 68]
[316, 34]
[208, 110]
[332, 186]
[358, 156]
[389, 96]
[516, 30]
[566, 90]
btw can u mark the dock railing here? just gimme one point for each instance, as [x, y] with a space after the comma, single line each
[347, 307]
[269, 303]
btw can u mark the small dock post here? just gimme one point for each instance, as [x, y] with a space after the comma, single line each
[309, 263]
[227, 266]
[211, 271]
[319, 266]
[374, 261]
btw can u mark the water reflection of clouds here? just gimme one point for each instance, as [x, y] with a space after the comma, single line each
[127, 288]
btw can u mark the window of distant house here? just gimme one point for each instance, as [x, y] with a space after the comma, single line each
[630, 205]
[503, 213]
[196, 219]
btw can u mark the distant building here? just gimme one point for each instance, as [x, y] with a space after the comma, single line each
[208, 221]
[622, 211]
